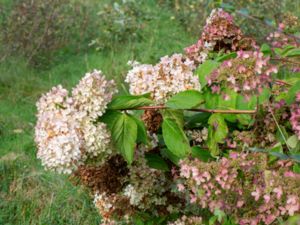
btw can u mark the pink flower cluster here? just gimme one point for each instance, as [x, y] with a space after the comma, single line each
[247, 74]
[220, 32]
[295, 116]
[243, 186]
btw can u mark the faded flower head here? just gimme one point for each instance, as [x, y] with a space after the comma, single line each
[93, 93]
[170, 76]
[219, 33]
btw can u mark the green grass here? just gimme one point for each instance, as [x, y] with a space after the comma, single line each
[28, 193]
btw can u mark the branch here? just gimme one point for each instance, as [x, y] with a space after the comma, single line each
[200, 110]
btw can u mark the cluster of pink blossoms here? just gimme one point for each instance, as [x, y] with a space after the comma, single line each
[247, 74]
[243, 186]
[66, 133]
[295, 116]
[220, 32]
[279, 38]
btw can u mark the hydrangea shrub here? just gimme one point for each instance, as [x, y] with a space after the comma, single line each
[210, 136]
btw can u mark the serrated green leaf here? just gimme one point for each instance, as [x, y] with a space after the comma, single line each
[185, 100]
[205, 69]
[219, 127]
[157, 162]
[124, 135]
[175, 138]
[217, 132]
[212, 144]
[141, 131]
[110, 117]
[201, 154]
[174, 114]
[129, 102]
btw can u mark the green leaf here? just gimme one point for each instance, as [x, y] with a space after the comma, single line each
[157, 162]
[141, 131]
[219, 127]
[129, 102]
[266, 49]
[292, 141]
[110, 117]
[197, 119]
[217, 132]
[201, 154]
[296, 168]
[124, 135]
[174, 114]
[276, 148]
[175, 138]
[224, 57]
[205, 69]
[292, 93]
[293, 53]
[211, 100]
[166, 153]
[212, 144]
[185, 100]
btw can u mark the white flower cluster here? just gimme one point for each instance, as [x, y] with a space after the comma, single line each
[198, 135]
[170, 76]
[134, 197]
[65, 134]
[93, 93]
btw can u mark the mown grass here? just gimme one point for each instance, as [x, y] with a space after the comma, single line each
[28, 193]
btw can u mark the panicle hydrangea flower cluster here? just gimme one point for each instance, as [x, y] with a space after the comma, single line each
[93, 93]
[220, 32]
[242, 186]
[56, 131]
[66, 133]
[171, 75]
[295, 116]
[247, 74]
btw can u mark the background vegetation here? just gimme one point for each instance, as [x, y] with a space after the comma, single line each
[44, 43]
